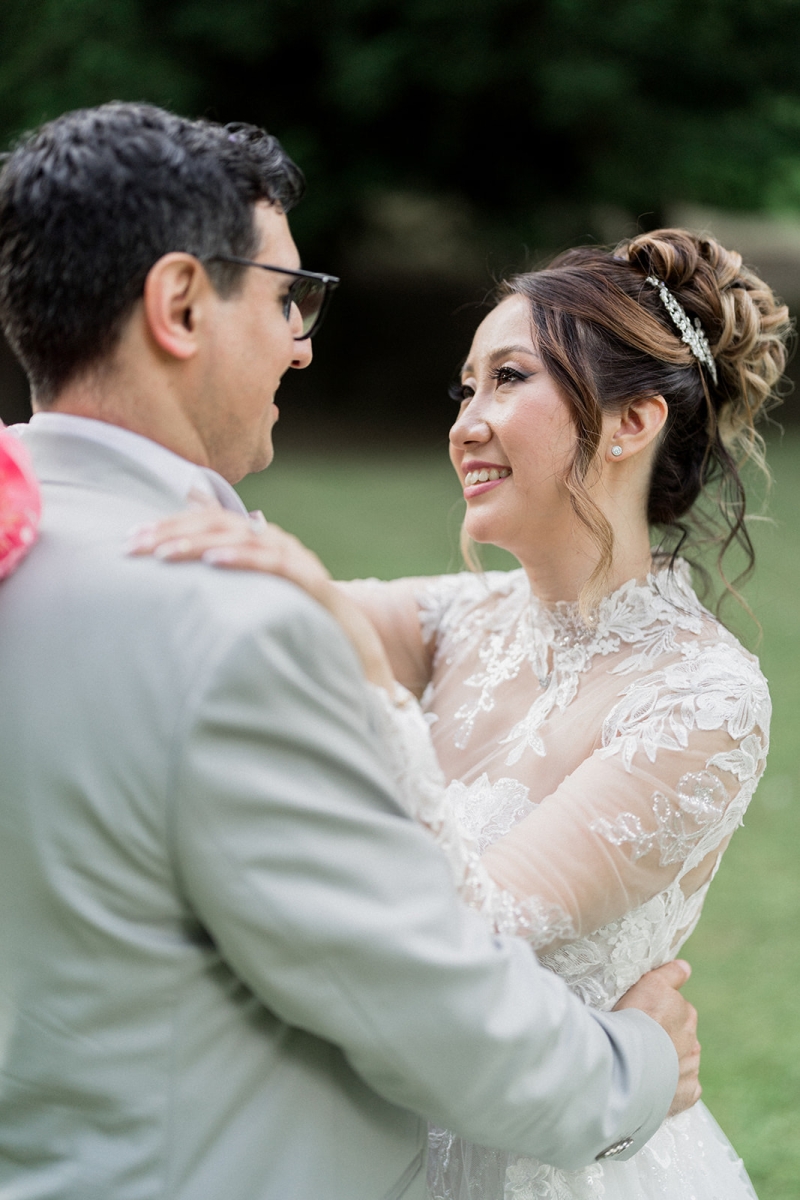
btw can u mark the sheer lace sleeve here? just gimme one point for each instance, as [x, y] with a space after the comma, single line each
[647, 813]
[412, 614]
[654, 805]
[421, 785]
[392, 608]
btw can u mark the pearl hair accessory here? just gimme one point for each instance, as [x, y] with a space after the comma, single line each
[692, 334]
[616, 451]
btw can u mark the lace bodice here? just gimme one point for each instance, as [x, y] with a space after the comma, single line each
[592, 775]
[584, 782]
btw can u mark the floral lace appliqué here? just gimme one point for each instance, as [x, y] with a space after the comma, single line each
[512, 631]
[709, 687]
[683, 682]
[487, 811]
[701, 804]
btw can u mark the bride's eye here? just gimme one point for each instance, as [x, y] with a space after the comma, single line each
[503, 375]
[460, 392]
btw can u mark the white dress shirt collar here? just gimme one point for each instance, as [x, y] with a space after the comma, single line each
[178, 472]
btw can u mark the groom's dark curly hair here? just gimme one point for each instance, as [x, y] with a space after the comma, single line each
[89, 201]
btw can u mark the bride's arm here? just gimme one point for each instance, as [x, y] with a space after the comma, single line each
[644, 818]
[391, 607]
[421, 785]
[654, 806]
[657, 801]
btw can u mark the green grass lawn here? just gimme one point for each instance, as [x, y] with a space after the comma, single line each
[391, 515]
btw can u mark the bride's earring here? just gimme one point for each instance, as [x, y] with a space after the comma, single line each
[616, 451]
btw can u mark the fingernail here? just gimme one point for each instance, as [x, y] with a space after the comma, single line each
[173, 549]
[140, 539]
[198, 499]
[138, 542]
[257, 520]
[220, 554]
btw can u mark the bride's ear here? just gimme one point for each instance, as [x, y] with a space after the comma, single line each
[634, 427]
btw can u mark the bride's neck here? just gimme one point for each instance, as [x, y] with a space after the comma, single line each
[559, 571]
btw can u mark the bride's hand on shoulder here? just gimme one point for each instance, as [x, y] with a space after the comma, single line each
[233, 540]
[251, 543]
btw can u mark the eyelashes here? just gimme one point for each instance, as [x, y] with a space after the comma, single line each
[507, 374]
[461, 392]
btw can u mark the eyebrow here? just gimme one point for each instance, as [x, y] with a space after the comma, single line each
[504, 352]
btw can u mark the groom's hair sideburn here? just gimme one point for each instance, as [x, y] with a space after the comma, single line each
[90, 201]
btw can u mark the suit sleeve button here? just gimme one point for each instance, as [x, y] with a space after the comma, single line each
[617, 1148]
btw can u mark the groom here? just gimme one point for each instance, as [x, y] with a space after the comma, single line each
[231, 967]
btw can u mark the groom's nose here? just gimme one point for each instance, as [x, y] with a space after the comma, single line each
[303, 354]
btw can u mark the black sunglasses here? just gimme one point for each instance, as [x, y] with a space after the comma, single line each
[310, 292]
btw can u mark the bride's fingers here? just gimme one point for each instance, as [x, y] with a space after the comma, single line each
[225, 539]
[180, 546]
[192, 523]
[186, 549]
[271, 539]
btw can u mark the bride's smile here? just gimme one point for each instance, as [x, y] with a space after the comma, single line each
[480, 475]
[514, 445]
[512, 420]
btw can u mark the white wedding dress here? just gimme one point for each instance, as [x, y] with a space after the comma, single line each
[598, 774]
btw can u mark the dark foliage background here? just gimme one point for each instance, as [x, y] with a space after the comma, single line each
[444, 141]
[447, 142]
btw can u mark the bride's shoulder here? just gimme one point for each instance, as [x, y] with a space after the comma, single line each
[684, 609]
[677, 647]
[662, 626]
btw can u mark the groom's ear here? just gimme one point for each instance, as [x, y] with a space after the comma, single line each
[177, 294]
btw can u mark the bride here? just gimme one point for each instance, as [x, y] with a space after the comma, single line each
[598, 732]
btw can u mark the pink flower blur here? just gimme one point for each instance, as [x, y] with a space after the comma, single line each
[20, 503]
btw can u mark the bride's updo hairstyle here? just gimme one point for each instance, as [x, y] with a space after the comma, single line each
[607, 339]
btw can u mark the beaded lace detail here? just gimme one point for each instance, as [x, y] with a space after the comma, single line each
[646, 734]
[496, 630]
[554, 642]
[486, 811]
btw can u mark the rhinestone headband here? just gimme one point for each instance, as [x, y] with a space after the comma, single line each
[692, 334]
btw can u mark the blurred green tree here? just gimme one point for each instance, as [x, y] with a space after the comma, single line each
[535, 112]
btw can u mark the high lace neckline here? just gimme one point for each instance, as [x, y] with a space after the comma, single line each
[670, 582]
[499, 619]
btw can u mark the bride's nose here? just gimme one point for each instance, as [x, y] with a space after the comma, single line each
[470, 428]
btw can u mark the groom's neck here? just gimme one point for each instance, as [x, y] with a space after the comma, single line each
[133, 389]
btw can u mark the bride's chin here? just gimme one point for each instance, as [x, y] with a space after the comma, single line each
[483, 526]
[478, 533]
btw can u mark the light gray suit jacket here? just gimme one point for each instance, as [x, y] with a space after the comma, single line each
[232, 969]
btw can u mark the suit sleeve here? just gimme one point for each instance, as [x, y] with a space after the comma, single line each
[341, 916]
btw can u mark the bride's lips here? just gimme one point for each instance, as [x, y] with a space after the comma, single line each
[479, 486]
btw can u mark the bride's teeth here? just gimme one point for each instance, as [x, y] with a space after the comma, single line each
[487, 475]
